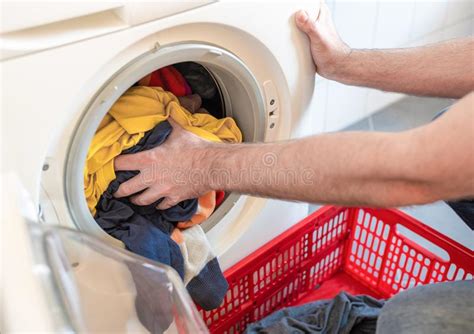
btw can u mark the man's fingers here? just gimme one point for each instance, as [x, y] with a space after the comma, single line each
[130, 161]
[304, 23]
[166, 203]
[147, 197]
[130, 187]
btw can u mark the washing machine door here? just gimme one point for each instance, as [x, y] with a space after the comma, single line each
[62, 280]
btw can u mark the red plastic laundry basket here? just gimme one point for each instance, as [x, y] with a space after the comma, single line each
[361, 251]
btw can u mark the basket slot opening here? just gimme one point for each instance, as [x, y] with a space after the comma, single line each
[421, 241]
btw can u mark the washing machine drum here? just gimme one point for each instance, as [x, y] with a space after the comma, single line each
[231, 90]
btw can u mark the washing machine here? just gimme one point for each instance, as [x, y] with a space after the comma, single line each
[64, 65]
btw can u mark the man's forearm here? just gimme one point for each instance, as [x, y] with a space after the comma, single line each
[345, 168]
[442, 69]
[422, 165]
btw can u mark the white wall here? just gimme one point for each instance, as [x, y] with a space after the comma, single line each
[384, 24]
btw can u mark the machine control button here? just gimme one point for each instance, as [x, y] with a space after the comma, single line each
[271, 98]
[273, 113]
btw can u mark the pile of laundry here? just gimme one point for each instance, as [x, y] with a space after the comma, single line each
[138, 122]
[344, 314]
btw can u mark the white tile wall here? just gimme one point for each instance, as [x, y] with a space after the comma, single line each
[387, 24]
[434, 37]
[319, 106]
[462, 28]
[345, 105]
[355, 22]
[458, 10]
[377, 99]
[394, 23]
[331, 4]
[428, 17]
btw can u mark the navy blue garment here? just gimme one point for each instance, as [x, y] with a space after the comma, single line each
[143, 229]
[343, 314]
[465, 210]
[209, 287]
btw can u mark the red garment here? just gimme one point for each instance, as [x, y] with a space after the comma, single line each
[169, 79]
[219, 197]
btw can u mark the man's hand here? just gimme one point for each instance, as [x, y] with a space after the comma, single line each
[327, 48]
[171, 171]
[443, 69]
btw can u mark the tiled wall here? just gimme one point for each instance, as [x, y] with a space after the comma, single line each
[383, 24]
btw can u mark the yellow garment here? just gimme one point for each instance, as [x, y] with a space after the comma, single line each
[137, 111]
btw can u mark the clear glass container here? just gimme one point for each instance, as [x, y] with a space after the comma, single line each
[93, 287]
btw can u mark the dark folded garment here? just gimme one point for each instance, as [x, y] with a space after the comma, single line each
[343, 314]
[464, 209]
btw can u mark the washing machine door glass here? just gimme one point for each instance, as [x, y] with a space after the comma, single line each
[105, 289]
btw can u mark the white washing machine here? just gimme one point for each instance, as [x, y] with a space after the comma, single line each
[64, 65]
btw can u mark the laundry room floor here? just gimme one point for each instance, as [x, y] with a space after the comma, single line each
[404, 114]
